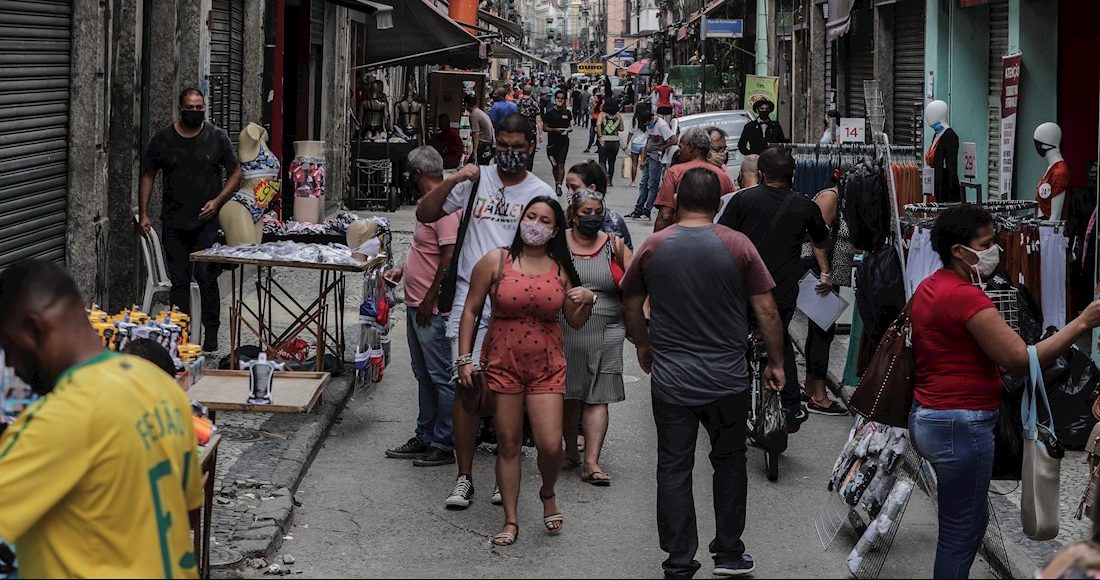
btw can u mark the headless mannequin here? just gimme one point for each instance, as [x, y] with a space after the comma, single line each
[1050, 192]
[375, 112]
[409, 113]
[260, 184]
[309, 196]
[943, 155]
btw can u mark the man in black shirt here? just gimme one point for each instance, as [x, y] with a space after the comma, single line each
[778, 219]
[193, 156]
[557, 123]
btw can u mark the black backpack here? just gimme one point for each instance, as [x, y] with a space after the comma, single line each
[867, 207]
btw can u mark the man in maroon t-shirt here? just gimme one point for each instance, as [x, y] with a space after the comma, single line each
[694, 148]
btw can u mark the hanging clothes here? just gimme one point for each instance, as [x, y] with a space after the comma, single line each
[923, 261]
[1052, 244]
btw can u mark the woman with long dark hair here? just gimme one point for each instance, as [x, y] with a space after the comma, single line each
[532, 284]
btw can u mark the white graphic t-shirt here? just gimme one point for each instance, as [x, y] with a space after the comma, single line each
[494, 222]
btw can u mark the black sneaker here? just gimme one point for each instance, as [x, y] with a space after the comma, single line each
[412, 449]
[794, 423]
[461, 496]
[434, 458]
[833, 409]
[210, 341]
[735, 568]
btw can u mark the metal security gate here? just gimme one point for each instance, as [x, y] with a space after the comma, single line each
[34, 128]
[998, 47]
[227, 65]
[861, 58]
[908, 71]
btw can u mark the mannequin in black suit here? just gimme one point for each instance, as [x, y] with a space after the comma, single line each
[943, 154]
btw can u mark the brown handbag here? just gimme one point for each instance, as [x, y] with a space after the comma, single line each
[885, 391]
[1088, 498]
[478, 398]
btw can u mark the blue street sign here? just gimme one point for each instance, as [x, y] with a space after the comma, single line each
[626, 55]
[723, 28]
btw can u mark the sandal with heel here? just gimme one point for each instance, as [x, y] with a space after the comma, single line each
[505, 539]
[552, 518]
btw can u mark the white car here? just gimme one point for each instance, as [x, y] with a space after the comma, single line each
[732, 122]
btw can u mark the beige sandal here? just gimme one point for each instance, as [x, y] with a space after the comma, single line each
[552, 518]
[505, 539]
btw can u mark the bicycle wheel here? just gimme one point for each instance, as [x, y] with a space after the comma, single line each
[771, 465]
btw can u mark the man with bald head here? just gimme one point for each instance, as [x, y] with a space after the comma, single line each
[748, 177]
[98, 478]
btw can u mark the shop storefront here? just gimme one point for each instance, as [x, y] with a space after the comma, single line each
[908, 87]
[34, 129]
[226, 80]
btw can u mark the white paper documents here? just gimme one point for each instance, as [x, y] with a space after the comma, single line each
[822, 310]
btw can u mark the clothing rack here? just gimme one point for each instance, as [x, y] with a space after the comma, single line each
[852, 148]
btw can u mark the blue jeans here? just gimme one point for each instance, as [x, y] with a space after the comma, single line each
[648, 187]
[430, 351]
[959, 445]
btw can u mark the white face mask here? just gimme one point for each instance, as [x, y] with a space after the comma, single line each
[988, 260]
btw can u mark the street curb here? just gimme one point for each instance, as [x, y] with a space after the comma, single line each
[272, 520]
[1013, 559]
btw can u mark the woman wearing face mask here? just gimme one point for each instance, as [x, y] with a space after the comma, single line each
[960, 341]
[589, 175]
[532, 284]
[594, 354]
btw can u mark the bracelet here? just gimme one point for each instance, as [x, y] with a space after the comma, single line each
[466, 359]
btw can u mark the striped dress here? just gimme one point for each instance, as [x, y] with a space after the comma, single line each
[594, 354]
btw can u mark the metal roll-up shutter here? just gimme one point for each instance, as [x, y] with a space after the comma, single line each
[998, 47]
[317, 22]
[34, 128]
[227, 65]
[908, 70]
[861, 59]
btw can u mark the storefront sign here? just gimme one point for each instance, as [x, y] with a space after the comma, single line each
[853, 130]
[590, 68]
[970, 160]
[760, 87]
[619, 43]
[1010, 100]
[720, 28]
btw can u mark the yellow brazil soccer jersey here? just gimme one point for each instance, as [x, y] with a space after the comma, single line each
[97, 478]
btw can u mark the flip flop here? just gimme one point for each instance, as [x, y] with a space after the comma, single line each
[596, 481]
[571, 464]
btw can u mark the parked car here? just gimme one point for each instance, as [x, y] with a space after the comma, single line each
[732, 122]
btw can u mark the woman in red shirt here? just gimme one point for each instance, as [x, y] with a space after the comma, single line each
[960, 343]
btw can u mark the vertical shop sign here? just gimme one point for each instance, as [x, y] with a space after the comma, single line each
[760, 87]
[1010, 101]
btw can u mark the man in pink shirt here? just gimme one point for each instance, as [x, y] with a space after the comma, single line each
[694, 148]
[430, 349]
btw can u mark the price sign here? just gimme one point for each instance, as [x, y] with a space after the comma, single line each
[852, 130]
[928, 181]
[970, 160]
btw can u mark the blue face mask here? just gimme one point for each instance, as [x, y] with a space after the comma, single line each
[937, 126]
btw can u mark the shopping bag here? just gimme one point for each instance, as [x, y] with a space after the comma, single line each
[627, 171]
[1042, 460]
[769, 422]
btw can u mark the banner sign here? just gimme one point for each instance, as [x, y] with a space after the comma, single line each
[1010, 101]
[760, 87]
[590, 68]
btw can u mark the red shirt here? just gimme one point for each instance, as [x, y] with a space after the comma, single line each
[1054, 183]
[666, 196]
[952, 370]
[664, 95]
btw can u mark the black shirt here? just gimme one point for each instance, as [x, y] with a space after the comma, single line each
[752, 212]
[194, 171]
[756, 136]
[556, 118]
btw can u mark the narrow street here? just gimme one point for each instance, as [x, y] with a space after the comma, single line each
[364, 515]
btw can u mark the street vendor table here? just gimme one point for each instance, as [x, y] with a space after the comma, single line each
[291, 392]
[312, 318]
[202, 534]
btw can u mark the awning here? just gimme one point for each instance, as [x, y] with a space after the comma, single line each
[505, 50]
[710, 8]
[840, 18]
[421, 34]
[506, 27]
[638, 67]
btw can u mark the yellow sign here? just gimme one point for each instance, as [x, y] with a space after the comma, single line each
[590, 68]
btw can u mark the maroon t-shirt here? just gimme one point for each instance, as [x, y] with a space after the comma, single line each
[699, 281]
[952, 370]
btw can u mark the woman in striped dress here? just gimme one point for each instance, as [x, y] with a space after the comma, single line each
[594, 353]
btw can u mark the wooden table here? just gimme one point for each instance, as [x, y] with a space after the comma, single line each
[312, 319]
[209, 465]
[291, 392]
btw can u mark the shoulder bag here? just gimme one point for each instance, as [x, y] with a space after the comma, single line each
[1042, 460]
[478, 398]
[449, 284]
[1088, 498]
[885, 391]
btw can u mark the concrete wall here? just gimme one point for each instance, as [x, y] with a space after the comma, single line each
[1034, 24]
[253, 99]
[336, 94]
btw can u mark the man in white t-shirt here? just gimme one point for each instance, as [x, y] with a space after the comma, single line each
[503, 191]
[661, 138]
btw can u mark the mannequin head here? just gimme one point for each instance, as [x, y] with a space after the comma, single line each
[935, 114]
[376, 89]
[410, 92]
[252, 138]
[1048, 137]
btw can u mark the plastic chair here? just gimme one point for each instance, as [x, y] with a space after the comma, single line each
[156, 279]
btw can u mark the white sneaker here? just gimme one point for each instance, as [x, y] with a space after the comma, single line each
[461, 495]
[497, 499]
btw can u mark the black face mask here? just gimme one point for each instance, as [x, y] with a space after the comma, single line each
[1042, 148]
[764, 115]
[192, 119]
[589, 225]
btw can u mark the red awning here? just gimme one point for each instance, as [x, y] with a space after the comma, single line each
[637, 67]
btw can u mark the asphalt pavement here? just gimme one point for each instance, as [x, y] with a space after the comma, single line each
[364, 515]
